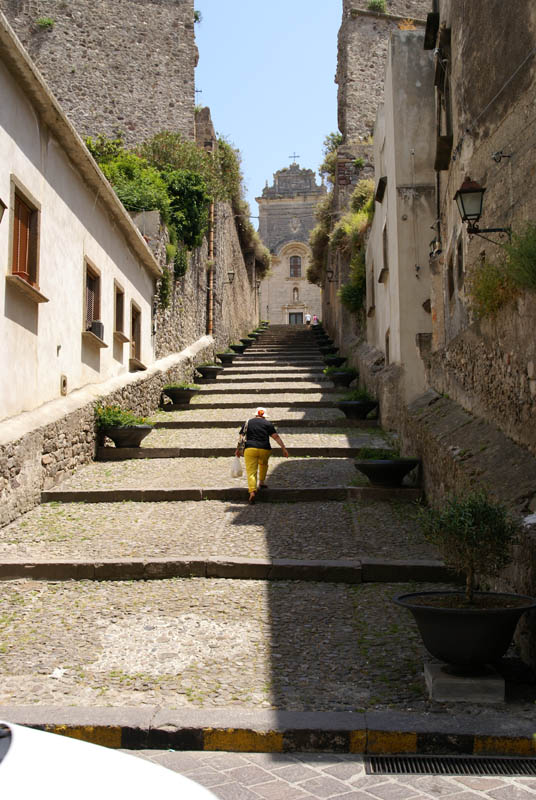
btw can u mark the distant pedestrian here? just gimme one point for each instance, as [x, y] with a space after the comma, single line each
[307, 319]
[257, 431]
[315, 320]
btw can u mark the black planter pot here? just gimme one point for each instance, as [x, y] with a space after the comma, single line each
[466, 637]
[254, 335]
[356, 409]
[334, 361]
[129, 435]
[238, 348]
[246, 341]
[386, 472]
[342, 378]
[210, 371]
[226, 358]
[180, 395]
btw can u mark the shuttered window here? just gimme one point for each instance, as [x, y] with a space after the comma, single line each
[24, 261]
[119, 309]
[92, 296]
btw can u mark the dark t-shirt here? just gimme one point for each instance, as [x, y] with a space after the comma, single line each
[259, 432]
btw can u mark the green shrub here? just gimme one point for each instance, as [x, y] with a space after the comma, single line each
[181, 386]
[46, 23]
[164, 288]
[180, 263]
[358, 394]
[382, 454]
[363, 196]
[171, 252]
[139, 186]
[490, 288]
[474, 534]
[521, 257]
[188, 205]
[377, 5]
[352, 294]
[116, 417]
[347, 370]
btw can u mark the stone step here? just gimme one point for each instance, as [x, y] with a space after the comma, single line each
[225, 494]
[214, 437]
[125, 453]
[281, 422]
[182, 643]
[256, 569]
[317, 379]
[191, 741]
[294, 404]
[261, 371]
[275, 389]
[358, 531]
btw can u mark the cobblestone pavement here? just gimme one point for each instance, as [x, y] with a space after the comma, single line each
[210, 643]
[153, 530]
[240, 414]
[188, 473]
[293, 437]
[292, 776]
[262, 386]
[280, 399]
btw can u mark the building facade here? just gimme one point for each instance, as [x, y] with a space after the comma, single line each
[77, 293]
[398, 281]
[286, 217]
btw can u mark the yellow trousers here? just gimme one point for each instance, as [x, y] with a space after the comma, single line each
[256, 459]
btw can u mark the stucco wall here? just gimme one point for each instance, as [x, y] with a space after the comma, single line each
[40, 448]
[43, 341]
[115, 64]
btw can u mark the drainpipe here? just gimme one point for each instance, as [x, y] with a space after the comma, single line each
[210, 272]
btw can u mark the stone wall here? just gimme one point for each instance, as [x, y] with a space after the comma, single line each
[114, 64]
[40, 448]
[362, 52]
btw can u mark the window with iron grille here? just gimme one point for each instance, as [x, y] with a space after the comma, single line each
[119, 322]
[25, 237]
[92, 297]
[135, 332]
[295, 267]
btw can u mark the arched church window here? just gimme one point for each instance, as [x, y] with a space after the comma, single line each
[295, 295]
[295, 267]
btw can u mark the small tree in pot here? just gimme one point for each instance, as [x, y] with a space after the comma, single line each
[123, 427]
[475, 535]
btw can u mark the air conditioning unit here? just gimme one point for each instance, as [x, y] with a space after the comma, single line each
[97, 327]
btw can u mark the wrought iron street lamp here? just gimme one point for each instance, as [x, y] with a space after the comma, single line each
[469, 199]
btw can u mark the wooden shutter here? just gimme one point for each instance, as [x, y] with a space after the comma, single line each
[21, 238]
[92, 297]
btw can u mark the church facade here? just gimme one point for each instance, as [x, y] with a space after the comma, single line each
[286, 217]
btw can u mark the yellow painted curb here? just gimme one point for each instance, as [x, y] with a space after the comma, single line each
[105, 736]
[358, 742]
[391, 742]
[242, 741]
[502, 745]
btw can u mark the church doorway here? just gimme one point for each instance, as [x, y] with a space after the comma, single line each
[295, 318]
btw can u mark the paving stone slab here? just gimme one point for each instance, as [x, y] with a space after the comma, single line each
[369, 436]
[316, 530]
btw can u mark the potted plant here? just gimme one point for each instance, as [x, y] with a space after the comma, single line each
[334, 361]
[384, 467]
[181, 392]
[124, 428]
[246, 341]
[341, 376]
[227, 356]
[237, 347]
[470, 628]
[356, 404]
[209, 369]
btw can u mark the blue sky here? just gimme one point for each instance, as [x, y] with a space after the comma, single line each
[267, 70]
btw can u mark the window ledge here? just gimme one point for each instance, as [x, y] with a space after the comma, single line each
[119, 336]
[371, 311]
[135, 365]
[384, 274]
[92, 339]
[26, 288]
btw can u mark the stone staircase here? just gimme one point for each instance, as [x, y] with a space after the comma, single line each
[126, 591]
